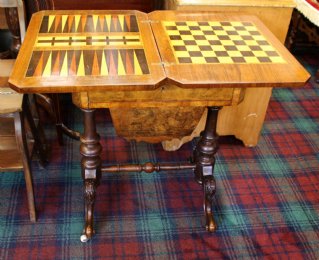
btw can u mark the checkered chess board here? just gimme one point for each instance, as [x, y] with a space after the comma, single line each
[219, 42]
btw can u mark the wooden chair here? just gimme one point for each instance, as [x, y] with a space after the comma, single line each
[16, 118]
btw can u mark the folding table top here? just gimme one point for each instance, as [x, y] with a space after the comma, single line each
[76, 51]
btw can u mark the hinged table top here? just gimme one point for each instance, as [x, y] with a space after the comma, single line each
[76, 51]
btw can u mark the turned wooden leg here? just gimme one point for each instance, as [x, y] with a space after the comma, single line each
[204, 158]
[90, 150]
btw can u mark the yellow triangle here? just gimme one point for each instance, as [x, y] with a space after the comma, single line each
[64, 19]
[64, 69]
[47, 69]
[77, 21]
[120, 66]
[121, 20]
[108, 21]
[137, 67]
[104, 71]
[81, 71]
[51, 19]
[95, 19]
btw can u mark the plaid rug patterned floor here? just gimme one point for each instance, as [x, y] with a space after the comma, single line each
[266, 206]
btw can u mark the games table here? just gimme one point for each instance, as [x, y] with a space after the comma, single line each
[120, 59]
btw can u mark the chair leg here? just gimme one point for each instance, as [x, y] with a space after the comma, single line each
[23, 147]
[37, 133]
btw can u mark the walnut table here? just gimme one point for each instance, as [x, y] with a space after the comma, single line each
[128, 59]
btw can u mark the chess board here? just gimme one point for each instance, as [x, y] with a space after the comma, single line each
[219, 42]
[88, 45]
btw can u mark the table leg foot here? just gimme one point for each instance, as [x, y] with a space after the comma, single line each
[209, 187]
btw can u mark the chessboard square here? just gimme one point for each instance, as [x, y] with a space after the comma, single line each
[181, 54]
[267, 48]
[262, 42]
[223, 37]
[185, 32]
[213, 42]
[208, 32]
[217, 28]
[255, 47]
[244, 33]
[232, 32]
[183, 28]
[220, 33]
[221, 53]
[202, 42]
[272, 53]
[218, 48]
[225, 59]
[175, 37]
[238, 43]
[205, 47]
[198, 60]
[247, 37]
[229, 43]
[239, 27]
[192, 48]
[169, 23]
[171, 28]
[177, 43]
[181, 23]
[211, 60]
[197, 33]
[251, 42]
[237, 23]
[238, 59]
[234, 53]
[254, 32]
[230, 47]
[209, 53]
[194, 28]
[243, 47]
[259, 38]
[212, 37]
[195, 54]
[172, 33]
[247, 53]
[190, 43]
[277, 59]
[214, 23]
[235, 37]
[260, 54]
[199, 37]
[187, 37]
[225, 24]
[203, 23]
[206, 28]
[252, 60]
[184, 60]
[264, 59]
[192, 23]
[179, 48]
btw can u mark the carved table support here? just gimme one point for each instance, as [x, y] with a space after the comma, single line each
[90, 150]
[204, 158]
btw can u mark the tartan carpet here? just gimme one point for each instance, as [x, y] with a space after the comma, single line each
[266, 205]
